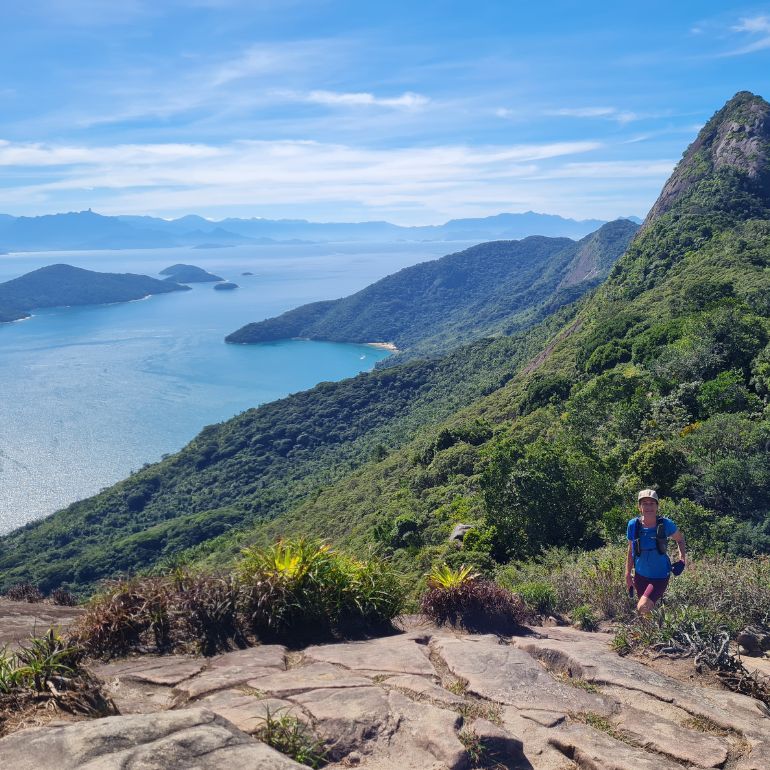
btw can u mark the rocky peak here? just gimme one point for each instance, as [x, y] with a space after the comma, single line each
[737, 137]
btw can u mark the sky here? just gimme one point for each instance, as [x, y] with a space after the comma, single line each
[328, 110]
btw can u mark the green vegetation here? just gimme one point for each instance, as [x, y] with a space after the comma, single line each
[295, 592]
[490, 289]
[58, 285]
[46, 672]
[257, 466]
[286, 733]
[462, 599]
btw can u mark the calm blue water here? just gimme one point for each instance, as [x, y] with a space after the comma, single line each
[89, 394]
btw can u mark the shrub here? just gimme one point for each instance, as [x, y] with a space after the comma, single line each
[62, 597]
[474, 605]
[208, 606]
[583, 617]
[24, 592]
[539, 596]
[127, 615]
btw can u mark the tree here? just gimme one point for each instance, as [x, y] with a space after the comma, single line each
[542, 494]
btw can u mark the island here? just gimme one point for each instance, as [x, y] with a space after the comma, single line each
[226, 286]
[189, 274]
[247, 273]
[60, 285]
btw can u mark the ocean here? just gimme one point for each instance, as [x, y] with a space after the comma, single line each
[89, 394]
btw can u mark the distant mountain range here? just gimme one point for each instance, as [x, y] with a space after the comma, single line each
[60, 285]
[86, 230]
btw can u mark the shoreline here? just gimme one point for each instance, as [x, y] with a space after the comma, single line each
[383, 346]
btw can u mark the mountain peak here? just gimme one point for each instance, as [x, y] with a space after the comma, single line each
[737, 137]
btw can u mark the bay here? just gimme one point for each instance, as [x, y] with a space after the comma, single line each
[89, 394]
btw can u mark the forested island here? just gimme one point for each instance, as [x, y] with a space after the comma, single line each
[64, 285]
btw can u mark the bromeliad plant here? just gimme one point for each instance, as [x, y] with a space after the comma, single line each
[301, 589]
[462, 599]
[443, 576]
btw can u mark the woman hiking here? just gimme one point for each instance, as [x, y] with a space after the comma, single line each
[647, 537]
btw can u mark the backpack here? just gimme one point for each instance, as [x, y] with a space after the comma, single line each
[661, 539]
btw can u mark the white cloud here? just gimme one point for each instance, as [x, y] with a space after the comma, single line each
[258, 174]
[612, 113]
[408, 99]
[757, 27]
[755, 24]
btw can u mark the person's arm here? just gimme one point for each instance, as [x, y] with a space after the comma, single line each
[678, 538]
[629, 564]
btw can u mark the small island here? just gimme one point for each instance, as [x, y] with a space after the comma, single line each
[225, 286]
[61, 285]
[247, 273]
[189, 274]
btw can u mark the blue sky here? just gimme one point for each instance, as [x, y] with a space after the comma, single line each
[414, 112]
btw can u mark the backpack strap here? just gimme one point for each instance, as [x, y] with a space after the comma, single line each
[637, 537]
[661, 539]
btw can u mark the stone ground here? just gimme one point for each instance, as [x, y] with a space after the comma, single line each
[426, 699]
[20, 620]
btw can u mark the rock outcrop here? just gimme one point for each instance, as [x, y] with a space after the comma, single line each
[426, 700]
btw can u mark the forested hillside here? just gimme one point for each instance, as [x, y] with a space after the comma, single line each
[490, 289]
[659, 377]
[662, 379]
[257, 465]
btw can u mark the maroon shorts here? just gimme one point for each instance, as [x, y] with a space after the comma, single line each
[652, 588]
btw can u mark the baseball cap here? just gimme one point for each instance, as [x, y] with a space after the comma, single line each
[647, 493]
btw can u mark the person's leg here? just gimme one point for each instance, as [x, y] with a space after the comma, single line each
[649, 591]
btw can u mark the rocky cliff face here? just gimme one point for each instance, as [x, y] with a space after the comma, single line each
[737, 138]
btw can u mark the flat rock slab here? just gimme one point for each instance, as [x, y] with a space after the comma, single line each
[313, 677]
[594, 750]
[20, 620]
[348, 719]
[261, 656]
[247, 712]
[175, 740]
[586, 655]
[426, 736]
[398, 654]
[420, 688]
[508, 675]
[232, 669]
[654, 733]
[498, 743]
[153, 670]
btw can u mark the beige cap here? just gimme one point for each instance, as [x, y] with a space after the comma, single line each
[647, 493]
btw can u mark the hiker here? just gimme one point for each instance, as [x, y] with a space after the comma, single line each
[647, 552]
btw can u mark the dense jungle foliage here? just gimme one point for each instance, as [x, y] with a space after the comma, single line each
[660, 378]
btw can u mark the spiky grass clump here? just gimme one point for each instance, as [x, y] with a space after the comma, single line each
[129, 615]
[46, 671]
[294, 592]
[286, 733]
[62, 597]
[24, 592]
[207, 606]
[473, 604]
